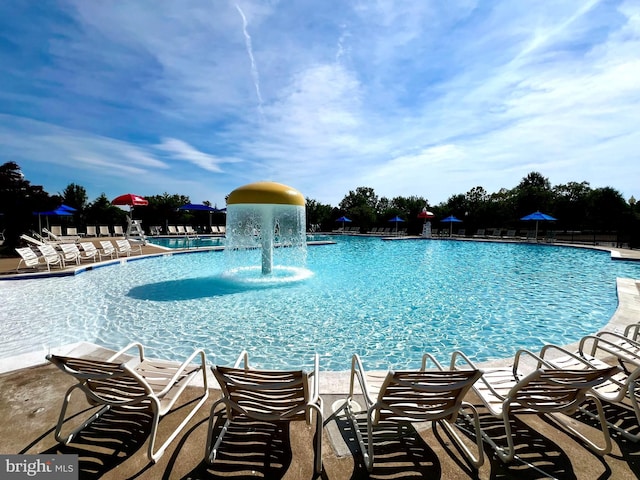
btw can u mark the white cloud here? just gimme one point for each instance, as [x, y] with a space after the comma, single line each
[180, 150]
[356, 94]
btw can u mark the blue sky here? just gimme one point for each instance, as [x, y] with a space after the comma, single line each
[427, 98]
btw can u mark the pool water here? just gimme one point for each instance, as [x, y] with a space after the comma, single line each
[389, 301]
[186, 242]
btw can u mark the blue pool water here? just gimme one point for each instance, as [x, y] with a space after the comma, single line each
[187, 242]
[387, 301]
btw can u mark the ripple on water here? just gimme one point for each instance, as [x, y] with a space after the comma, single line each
[388, 301]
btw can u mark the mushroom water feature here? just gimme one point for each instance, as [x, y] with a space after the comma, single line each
[269, 217]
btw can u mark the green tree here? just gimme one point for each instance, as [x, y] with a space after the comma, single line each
[477, 211]
[607, 209]
[164, 210]
[75, 196]
[102, 212]
[18, 200]
[571, 204]
[406, 208]
[533, 193]
[318, 215]
[361, 206]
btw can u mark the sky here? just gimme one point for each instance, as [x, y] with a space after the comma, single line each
[427, 98]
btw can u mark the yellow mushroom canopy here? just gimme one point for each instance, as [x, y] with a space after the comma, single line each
[266, 192]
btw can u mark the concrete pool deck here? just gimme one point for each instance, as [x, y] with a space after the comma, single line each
[32, 394]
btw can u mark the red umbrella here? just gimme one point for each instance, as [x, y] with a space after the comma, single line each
[425, 214]
[130, 199]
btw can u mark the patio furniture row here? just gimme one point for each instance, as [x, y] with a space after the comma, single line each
[91, 231]
[61, 254]
[553, 383]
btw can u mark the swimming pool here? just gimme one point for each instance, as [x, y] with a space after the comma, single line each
[387, 301]
[186, 242]
[200, 242]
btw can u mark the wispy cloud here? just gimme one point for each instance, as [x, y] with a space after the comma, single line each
[180, 150]
[254, 68]
[410, 98]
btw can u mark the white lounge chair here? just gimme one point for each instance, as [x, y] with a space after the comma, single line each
[104, 231]
[117, 382]
[124, 247]
[172, 230]
[107, 249]
[180, 230]
[70, 253]
[89, 251]
[50, 256]
[31, 240]
[544, 390]
[429, 394]
[27, 257]
[91, 231]
[72, 232]
[57, 239]
[601, 351]
[117, 231]
[266, 395]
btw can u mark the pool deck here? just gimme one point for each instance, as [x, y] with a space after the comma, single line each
[32, 393]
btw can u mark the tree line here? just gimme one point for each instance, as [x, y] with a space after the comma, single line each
[576, 205]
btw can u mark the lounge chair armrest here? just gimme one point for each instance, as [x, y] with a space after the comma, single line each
[616, 336]
[242, 358]
[469, 365]
[357, 371]
[427, 357]
[564, 352]
[613, 348]
[454, 360]
[540, 362]
[126, 349]
[633, 331]
[315, 375]
[179, 372]
[635, 342]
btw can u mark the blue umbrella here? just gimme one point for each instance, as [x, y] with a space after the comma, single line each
[343, 219]
[396, 219]
[62, 210]
[538, 216]
[451, 220]
[197, 206]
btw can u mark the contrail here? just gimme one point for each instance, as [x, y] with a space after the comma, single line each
[254, 68]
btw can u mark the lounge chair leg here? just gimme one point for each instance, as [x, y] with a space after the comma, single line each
[61, 419]
[604, 427]
[366, 455]
[155, 456]
[212, 451]
[478, 460]
[319, 429]
[504, 454]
